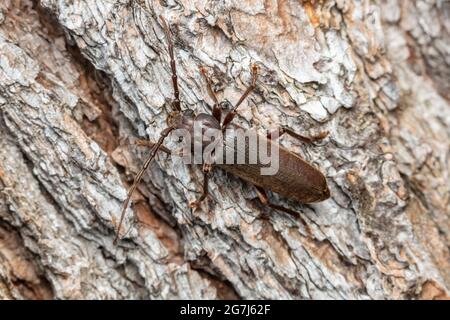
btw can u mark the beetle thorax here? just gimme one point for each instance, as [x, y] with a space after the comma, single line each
[200, 128]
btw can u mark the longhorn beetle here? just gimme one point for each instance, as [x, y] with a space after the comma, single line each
[295, 179]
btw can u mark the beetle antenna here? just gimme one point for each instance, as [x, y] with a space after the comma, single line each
[176, 93]
[138, 178]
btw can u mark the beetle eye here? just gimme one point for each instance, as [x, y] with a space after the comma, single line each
[188, 113]
[225, 105]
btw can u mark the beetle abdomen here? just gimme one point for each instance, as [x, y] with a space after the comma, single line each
[294, 179]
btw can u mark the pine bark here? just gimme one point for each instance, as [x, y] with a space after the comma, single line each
[81, 81]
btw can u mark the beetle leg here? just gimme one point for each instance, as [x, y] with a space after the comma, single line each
[146, 143]
[262, 195]
[150, 144]
[297, 136]
[208, 83]
[230, 115]
[206, 170]
[217, 111]
[250, 88]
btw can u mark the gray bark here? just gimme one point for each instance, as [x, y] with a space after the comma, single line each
[81, 80]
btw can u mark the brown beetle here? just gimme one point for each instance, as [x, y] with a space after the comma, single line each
[295, 178]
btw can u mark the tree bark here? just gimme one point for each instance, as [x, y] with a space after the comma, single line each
[80, 81]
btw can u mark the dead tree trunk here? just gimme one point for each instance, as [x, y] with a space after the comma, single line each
[81, 80]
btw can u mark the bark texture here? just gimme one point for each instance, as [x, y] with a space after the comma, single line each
[81, 80]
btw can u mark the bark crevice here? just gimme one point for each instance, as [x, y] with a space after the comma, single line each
[80, 81]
